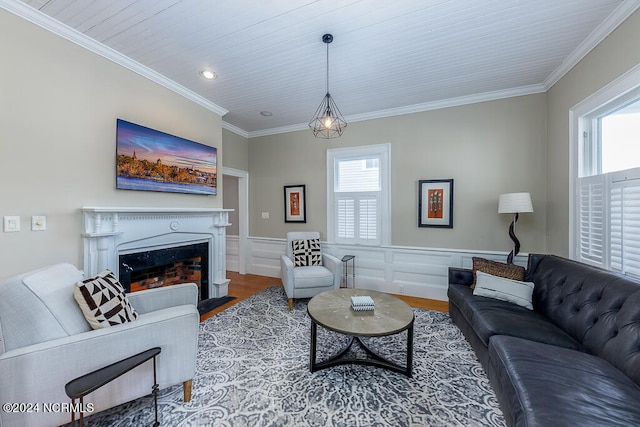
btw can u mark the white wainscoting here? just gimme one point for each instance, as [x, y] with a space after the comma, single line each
[419, 272]
[233, 253]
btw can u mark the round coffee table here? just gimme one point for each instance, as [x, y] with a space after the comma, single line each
[332, 310]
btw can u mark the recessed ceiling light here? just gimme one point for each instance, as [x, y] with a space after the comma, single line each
[266, 113]
[208, 74]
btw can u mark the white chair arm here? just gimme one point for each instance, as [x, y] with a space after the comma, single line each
[335, 266]
[286, 266]
[168, 296]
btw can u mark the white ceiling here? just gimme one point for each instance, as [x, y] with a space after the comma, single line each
[387, 57]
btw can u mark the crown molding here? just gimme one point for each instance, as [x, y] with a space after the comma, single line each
[617, 17]
[417, 108]
[235, 129]
[40, 19]
[279, 130]
[451, 102]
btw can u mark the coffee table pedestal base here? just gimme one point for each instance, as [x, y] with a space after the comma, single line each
[374, 360]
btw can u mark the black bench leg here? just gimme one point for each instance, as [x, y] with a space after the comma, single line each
[155, 392]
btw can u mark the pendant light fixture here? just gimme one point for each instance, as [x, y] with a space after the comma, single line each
[327, 122]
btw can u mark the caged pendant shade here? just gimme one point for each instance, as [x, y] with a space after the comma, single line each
[327, 121]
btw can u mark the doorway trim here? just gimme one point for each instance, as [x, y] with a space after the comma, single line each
[243, 214]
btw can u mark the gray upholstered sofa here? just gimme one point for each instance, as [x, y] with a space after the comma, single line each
[45, 342]
[574, 360]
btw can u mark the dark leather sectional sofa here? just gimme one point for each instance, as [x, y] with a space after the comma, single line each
[572, 361]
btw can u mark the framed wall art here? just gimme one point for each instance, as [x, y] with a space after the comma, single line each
[295, 205]
[435, 203]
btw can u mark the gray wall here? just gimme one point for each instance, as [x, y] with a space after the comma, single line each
[487, 148]
[58, 109]
[236, 150]
[614, 56]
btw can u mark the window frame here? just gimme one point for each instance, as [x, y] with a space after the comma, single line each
[584, 153]
[383, 152]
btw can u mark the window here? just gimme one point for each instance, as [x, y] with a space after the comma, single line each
[608, 186]
[358, 195]
[611, 137]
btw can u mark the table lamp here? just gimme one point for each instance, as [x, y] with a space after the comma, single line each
[514, 203]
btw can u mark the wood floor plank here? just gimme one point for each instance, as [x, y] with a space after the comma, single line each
[244, 285]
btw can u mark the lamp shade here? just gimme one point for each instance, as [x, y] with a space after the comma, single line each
[515, 203]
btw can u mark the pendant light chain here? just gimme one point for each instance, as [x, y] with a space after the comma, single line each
[327, 88]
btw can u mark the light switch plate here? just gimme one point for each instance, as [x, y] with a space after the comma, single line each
[38, 223]
[265, 215]
[11, 224]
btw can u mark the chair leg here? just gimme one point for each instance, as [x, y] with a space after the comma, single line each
[186, 386]
[290, 304]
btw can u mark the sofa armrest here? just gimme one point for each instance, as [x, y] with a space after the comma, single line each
[168, 296]
[532, 265]
[460, 276]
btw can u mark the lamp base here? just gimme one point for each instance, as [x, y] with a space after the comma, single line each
[516, 242]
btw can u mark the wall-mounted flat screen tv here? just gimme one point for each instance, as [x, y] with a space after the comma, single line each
[151, 160]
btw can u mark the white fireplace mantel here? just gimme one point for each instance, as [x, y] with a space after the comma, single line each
[109, 232]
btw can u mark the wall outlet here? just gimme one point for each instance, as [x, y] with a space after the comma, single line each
[38, 223]
[11, 224]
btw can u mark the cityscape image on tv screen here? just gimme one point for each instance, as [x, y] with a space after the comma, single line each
[151, 160]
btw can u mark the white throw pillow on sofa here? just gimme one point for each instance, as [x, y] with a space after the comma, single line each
[103, 301]
[513, 291]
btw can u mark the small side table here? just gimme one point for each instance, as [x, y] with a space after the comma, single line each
[345, 265]
[81, 386]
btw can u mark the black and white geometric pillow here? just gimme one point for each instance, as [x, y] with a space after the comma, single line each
[306, 252]
[103, 301]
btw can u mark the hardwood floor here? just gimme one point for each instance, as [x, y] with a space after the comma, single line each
[243, 286]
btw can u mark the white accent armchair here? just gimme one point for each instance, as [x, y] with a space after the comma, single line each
[308, 281]
[46, 342]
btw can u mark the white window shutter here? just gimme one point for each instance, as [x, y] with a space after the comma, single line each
[346, 217]
[625, 227]
[358, 218]
[592, 219]
[368, 218]
[615, 234]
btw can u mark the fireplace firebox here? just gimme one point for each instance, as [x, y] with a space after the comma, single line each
[166, 267]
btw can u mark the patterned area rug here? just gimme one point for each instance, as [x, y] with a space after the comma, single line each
[253, 370]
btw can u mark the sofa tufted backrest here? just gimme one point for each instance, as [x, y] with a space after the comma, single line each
[598, 308]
